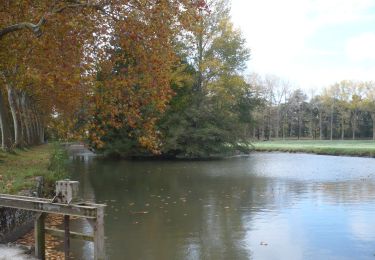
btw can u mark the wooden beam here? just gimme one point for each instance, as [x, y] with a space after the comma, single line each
[73, 235]
[66, 237]
[98, 227]
[43, 205]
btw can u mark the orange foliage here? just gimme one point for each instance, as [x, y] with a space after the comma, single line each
[81, 40]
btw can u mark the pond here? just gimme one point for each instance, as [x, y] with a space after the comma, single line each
[264, 206]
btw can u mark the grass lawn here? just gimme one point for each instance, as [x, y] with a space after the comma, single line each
[19, 168]
[335, 147]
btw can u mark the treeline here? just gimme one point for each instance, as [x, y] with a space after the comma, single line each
[127, 77]
[345, 110]
[116, 75]
[65, 64]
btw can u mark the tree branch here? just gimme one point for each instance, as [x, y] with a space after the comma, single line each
[36, 29]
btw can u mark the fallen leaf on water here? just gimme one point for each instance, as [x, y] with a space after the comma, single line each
[139, 212]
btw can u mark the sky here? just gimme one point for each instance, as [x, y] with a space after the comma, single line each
[312, 43]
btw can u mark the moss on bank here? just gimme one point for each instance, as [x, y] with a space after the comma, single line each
[362, 148]
[19, 168]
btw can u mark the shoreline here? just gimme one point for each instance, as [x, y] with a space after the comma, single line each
[334, 148]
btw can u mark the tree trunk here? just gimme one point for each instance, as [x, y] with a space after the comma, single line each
[342, 128]
[24, 114]
[263, 132]
[299, 126]
[6, 136]
[30, 116]
[200, 59]
[277, 122]
[354, 125]
[373, 125]
[13, 110]
[320, 126]
[312, 126]
[20, 117]
[331, 133]
[34, 127]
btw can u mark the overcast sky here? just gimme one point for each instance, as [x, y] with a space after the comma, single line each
[313, 43]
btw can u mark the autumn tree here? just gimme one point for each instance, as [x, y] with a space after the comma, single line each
[53, 51]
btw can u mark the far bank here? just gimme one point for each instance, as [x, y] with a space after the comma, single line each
[359, 148]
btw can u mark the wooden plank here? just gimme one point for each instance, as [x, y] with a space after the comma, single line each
[39, 232]
[41, 205]
[73, 235]
[24, 197]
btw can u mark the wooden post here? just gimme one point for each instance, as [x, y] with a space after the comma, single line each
[66, 237]
[40, 252]
[98, 226]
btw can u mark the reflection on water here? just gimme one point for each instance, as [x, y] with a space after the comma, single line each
[265, 206]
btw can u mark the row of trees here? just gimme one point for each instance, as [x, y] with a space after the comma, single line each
[65, 64]
[341, 111]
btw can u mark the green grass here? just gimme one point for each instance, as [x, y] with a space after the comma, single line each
[336, 147]
[19, 168]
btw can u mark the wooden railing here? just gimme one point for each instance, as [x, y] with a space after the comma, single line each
[65, 203]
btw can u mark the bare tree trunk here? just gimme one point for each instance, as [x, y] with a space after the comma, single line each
[373, 125]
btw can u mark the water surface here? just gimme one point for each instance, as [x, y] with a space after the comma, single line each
[265, 206]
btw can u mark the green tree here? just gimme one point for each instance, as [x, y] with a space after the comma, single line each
[212, 115]
[369, 103]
